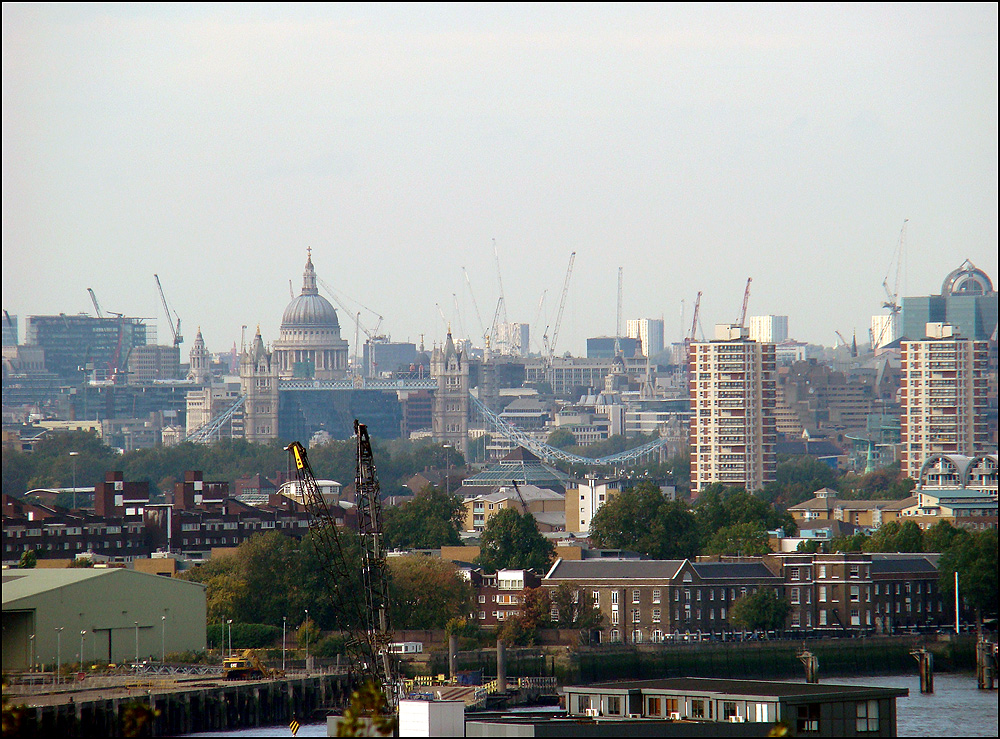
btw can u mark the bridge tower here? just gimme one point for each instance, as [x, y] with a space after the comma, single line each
[451, 399]
[259, 382]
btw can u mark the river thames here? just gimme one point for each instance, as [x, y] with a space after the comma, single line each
[955, 708]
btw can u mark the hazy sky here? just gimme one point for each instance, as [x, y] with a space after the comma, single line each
[693, 146]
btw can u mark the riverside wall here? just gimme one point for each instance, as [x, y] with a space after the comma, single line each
[183, 710]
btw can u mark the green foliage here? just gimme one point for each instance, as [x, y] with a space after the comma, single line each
[974, 557]
[763, 610]
[512, 541]
[244, 636]
[796, 479]
[641, 519]
[561, 438]
[576, 608]
[82, 562]
[853, 543]
[743, 539]
[28, 560]
[329, 647]
[887, 483]
[426, 592]
[942, 536]
[272, 575]
[432, 520]
[896, 537]
[809, 546]
[368, 714]
[720, 506]
[307, 635]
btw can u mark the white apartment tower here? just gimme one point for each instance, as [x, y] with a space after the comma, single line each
[943, 393]
[733, 425]
[768, 329]
[649, 332]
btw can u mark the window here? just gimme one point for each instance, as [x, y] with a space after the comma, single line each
[822, 593]
[614, 596]
[656, 595]
[654, 706]
[582, 703]
[635, 596]
[794, 573]
[822, 618]
[614, 705]
[808, 718]
[855, 571]
[697, 708]
[728, 710]
[822, 571]
[614, 617]
[656, 615]
[596, 595]
[855, 594]
[635, 615]
[795, 596]
[867, 712]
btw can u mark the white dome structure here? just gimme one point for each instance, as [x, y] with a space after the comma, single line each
[309, 344]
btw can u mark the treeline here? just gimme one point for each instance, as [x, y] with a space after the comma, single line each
[50, 464]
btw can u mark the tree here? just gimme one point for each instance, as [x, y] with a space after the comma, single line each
[763, 610]
[942, 536]
[974, 557]
[743, 539]
[511, 540]
[720, 506]
[575, 607]
[852, 543]
[29, 560]
[896, 537]
[561, 438]
[426, 592]
[641, 519]
[432, 520]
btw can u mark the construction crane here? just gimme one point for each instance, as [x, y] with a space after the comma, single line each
[364, 604]
[618, 317]
[746, 302]
[97, 306]
[178, 339]
[501, 313]
[550, 346]
[479, 317]
[892, 296]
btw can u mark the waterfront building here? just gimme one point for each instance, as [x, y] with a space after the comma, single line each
[732, 427]
[943, 396]
[588, 498]
[115, 614]
[547, 507]
[806, 709]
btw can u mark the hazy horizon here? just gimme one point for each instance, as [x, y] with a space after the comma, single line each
[694, 146]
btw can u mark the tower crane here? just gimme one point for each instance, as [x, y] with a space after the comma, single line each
[365, 604]
[97, 306]
[178, 339]
[618, 318]
[501, 314]
[550, 347]
[746, 301]
[475, 304]
[892, 296]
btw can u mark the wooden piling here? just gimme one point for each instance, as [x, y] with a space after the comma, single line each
[811, 662]
[925, 660]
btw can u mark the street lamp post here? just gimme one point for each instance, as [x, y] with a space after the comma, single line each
[163, 638]
[59, 631]
[73, 456]
[31, 644]
[136, 644]
[284, 622]
[230, 624]
[83, 632]
[447, 475]
[306, 626]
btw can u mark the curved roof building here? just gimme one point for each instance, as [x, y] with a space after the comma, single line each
[309, 344]
[968, 301]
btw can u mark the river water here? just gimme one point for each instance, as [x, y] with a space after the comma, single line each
[955, 708]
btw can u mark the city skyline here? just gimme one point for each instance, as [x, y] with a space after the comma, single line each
[213, 145]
